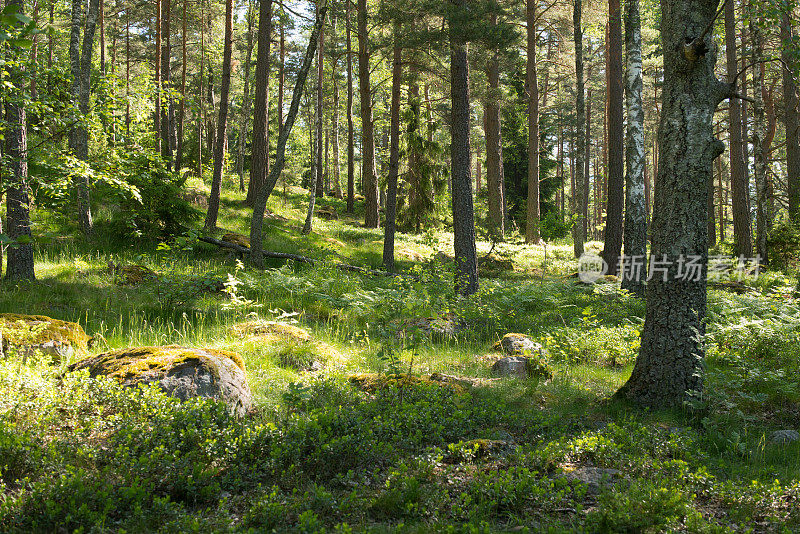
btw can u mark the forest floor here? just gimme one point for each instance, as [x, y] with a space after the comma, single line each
[317, 453]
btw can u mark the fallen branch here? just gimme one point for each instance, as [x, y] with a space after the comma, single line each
[303, 259]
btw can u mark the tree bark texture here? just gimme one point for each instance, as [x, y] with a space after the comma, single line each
[615, 200]
[222, 124]
[532, 234]
[368, 176]
[466, 258]
[494, 148]
[579, 226]
[791, 118]
[635, 202]
[394, 153]
[669, 366]
[259, 160]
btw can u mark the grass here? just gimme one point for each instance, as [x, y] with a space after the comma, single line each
[318, 454]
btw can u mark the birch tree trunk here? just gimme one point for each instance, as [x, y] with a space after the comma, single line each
[635, 202]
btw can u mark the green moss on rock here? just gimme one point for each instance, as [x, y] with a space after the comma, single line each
[373, 382]
[29, 332]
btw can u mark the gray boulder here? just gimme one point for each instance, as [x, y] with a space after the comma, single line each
[784, 436]
[595, 478]
[179, 371]
[521, 367]
[518, 345]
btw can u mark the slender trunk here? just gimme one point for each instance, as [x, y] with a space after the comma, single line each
[615, 196]
[669, 368]
[791, 118]
[20, 255]
[81, 63]
[741, 213]
[200, 99]
[182, 106]
[219, 148]
[34, 53]
[166, 146]
[51, 46]
[635, 202]
[257, 221]
[370, 180]
[337, 185]
[243, 122]
[466, 258]
[157, 76]
[320, 182]
[281, 69]
[394, 154]
[494, 148]
[579, 227]
[759, 138]
[532, 234]
[259, 161]
[102, 20]
[350, 144]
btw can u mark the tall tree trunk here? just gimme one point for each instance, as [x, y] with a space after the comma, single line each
[20, 255]
[579, 227]
[741, 213]
[466, 258]
[394, 153]
[760, 156]
[669, 367]
[494, 148]
[635, 202]
[587, 226]
[219, 148]
[166, 52]
[281, 69]
[368, 177]
[243, 121]
[259, 161]
[616, 173]
[157, 79]
[128, 74]
[256, 223]
[315, 191]
[532, 234]
[200, 99]
[101, 18]
[791, 118]
[350, 144]
[320, 185]
[34, 53]
[337, 184]
[182, 106]
[81, 64]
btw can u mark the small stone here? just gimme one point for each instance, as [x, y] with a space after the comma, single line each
[784, 436]
[521, 367]
[518, 345]
[595, 478]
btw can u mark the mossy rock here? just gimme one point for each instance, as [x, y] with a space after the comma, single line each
[522, 367]
[495, 263]
[182, 372]
[236, 239]
[476, 449]
[294, 347]
[515, 344]
[327, 212]
[131, 275]
[27, 334]
[374, 382]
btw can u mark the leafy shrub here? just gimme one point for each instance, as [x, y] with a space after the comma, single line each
[783, 245]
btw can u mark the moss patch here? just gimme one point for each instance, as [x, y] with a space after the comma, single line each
[260, 328]
[372, 382]
[131, 275]
[127, 364]
[19, 329]
[237, 239]
[294, 347]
